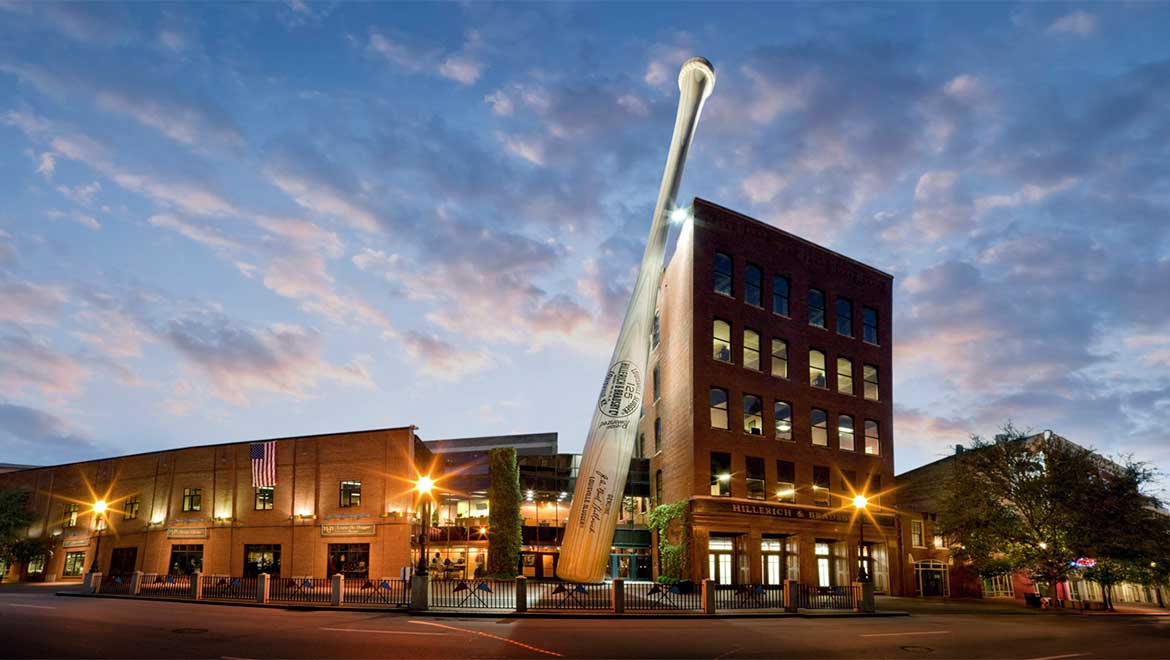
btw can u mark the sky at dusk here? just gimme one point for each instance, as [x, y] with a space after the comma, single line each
[227, 222]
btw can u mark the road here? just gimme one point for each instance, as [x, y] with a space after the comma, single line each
[36, 624]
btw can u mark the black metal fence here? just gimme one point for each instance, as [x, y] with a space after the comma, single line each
[225, 587]
[475, 594]
[116, 584]
[301, 589]
[651, 596]
[385, 591]
[569, 596]
[749, 596]
[828, 598]
[165, 586]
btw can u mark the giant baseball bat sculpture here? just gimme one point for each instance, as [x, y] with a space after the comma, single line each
[605, 462]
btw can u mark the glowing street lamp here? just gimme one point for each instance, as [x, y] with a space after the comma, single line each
[860, 502]
[423, 486]
[99, 511]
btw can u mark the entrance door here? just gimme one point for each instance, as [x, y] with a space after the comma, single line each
[772, 560]
[122, 561]
[719, 559]
[546, 564]
[824, 565]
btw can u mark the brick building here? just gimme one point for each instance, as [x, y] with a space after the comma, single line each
[770, 405]
[341, 504]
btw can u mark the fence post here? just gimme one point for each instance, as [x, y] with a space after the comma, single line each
[95, 583]
[521, 593]
[338, 585]
[136, 583]
[197, 585]
[420, 591]
[791, 595]
[709, 596]
[863, 597]
[618, 596]
[262, 588]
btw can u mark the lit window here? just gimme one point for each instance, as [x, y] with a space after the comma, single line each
[816, 369]
[657, 434]
[718, 399]
[780, 295]
[869, 374]
[71, 511]
[721, 341]
[265, 495]
[751, 350]
[819, 421]
[785, 481]
[754, 286]
[872, 439]
[869, 325]
[753, 415]
[816, 308]
[720, 474]
[782, 410]
[350, 494]
[754, 469]
[844, 375]
[820, 485]
[938, 541]
[192, 499]
[845, 432]
[657, 383]
[780, 358]
[916, 535]
[844, 317]
[130, 508]
[74, 564]
[723, 278]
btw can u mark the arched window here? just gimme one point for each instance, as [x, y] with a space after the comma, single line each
[780, 295]
[873, 441]
[782, 411]
[816, 369]
[721, 340]
[845, 375]
[723, 276]
[751, 350]
[779, 358]
[845, 432]
[819, 424]
[844, 317]
[753, 293]
[869, 374]
[718, 402]
[753, 415]
[816, 308]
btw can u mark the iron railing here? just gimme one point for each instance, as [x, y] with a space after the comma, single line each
[116, 584]
[301, 589]
[828, 598]
[165, 586]
[655, 596]
[474, 594]
[749, 596]
[569, 596]
[225, 587]
[384, 591]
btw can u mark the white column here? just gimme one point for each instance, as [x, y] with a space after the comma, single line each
[337, 585]
[197, 585]
[136, 583]
[262, 583]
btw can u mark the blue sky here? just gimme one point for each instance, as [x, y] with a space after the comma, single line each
[224, 222]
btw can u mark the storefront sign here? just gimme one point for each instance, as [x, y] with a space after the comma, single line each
[186, 532]
[1083, 562]
[776, 510]
[348, 530]
[75, 542]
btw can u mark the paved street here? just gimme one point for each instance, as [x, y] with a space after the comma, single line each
[36, 624]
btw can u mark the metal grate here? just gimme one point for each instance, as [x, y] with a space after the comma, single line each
[474, 594]
[642, 596]
[301, 589]
[386, 591]
[569, 596]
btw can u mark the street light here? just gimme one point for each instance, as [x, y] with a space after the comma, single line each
[423, 486]
[99, 510]
[860, 502]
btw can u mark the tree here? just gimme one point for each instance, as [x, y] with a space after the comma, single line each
[504, 519]
[14, 520]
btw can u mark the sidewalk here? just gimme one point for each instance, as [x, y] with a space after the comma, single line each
[1001, 606]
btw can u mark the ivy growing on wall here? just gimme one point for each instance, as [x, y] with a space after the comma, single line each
[504, 520]
[672, 557]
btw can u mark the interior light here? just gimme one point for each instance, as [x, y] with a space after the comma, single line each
[725, 477]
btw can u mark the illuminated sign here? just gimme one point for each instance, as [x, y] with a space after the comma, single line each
[186, 532]
[1083, 562]
[348, 530]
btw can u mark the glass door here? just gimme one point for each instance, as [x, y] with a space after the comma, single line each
[719, 559]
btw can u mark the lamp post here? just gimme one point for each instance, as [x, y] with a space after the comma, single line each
[860, 502]
[99, 512]
[423, 486]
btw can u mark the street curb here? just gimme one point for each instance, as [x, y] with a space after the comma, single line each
[502, 614]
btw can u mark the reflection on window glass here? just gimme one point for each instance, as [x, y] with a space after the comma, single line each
[845, 432]
[872, 440]
[754, 469]
[869, 322]
[753, 415]
[751, 350]
[753, 286]
[869, 374]
[785, 481]
[819, 421]
[723, 278]
[780, 295]
[782, 411]
[780, 358]
[816, 308]
[844, 317]
[844, 375]
[720, 474]
[718, 397]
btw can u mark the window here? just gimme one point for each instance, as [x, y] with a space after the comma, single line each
[845, 432]
[351, 494]
[654, 336]
[844, 317]
[720, 551]
[816, 369]
[916, 535]
[264, 498]
[816, 308]
[753, 415]
[824, 563]
[755, 477]
[721, 341]
[820, 485]
[751, 350]
[938, 542]
[720, 474]
[780, 358]
[71, 515]
[785, 481]
[74, 564]
[130, 508]
[780, 295]
[869, 374]
[657, 383]
[186, 559]
[640, 448]
[36, 565]
[845, 376]
[350, 559]
[718, 400]
[723, 277]
[657, 434]
[192, 499]
[261, 558]
[658, 487]
[872, 439]
[819, 423]
[869, 322]
[753, 293]
[782, 411]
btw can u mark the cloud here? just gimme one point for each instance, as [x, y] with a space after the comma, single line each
[34, 436]
[443, 360]
[1079, 23]
[83, 219]
[46, 165]
[320, 184]
[461, 69]
[461, 66]
[80, 194]
[208, 236]
[30, 364]
[30, 303]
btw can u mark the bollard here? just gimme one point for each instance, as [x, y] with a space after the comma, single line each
[95, 583]
[262, 588]
[338, 584]
[791, 595]
[709, 596]
[420, 592]
[863, 592]
[521, 593]
[136, 583]
[197, 585]
[618, 596]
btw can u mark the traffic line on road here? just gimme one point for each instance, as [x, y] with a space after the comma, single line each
[375, 631]
[490, 636]
[916, 632]
[1057, 657]
[35, 607]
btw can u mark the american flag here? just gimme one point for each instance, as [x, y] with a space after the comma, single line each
[263, 463]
